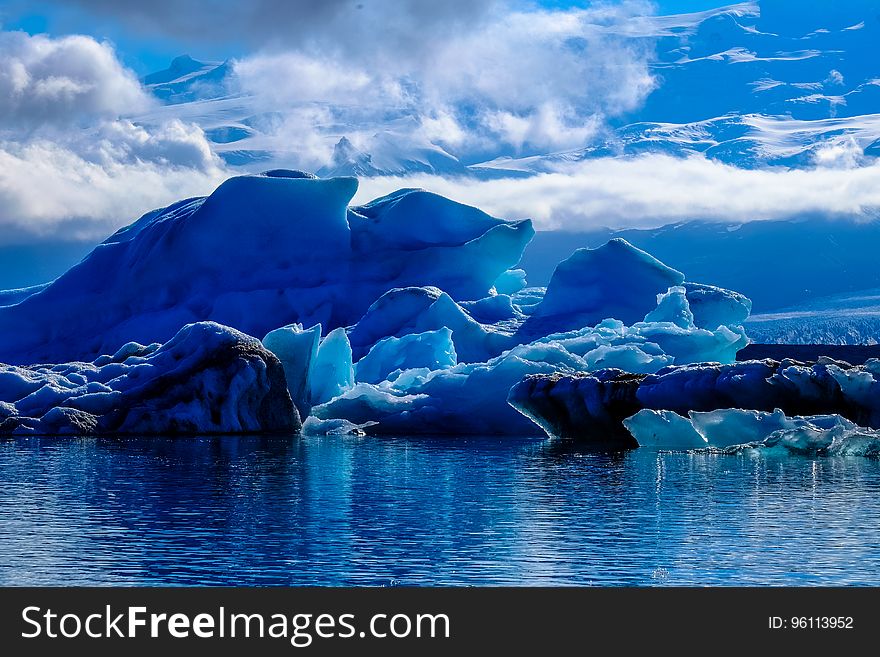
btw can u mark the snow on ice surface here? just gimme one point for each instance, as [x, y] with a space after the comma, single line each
[260, 252]
[207, 379]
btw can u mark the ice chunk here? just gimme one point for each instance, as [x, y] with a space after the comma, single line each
[430, 350]
[760, 387]
[810, 440]
[402, 311]
[297, 349]
[616, 280]
[628, 357]
[664, 430]
[317, 427]
[714, 306]
[723, 428]
[510, 281]
[466, 398]
[673, 307]
[584, 408]
[414, 218]
[207, 379]
[492, 309]
[737, 429]
[332, 372]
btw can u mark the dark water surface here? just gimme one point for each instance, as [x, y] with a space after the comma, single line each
[423, 511]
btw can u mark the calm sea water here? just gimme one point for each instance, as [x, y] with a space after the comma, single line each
[426, 511]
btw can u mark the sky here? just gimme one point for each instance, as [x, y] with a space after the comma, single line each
[481, 78]
[148, 35]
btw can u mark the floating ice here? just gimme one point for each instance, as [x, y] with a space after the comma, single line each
[405, 311]
[664, 430]
[207, 379]
[672, 306]
[582, 405]
[714, 306]
[413, 288]
[332, 372]
[615, 280]
[737, 430]
[262, 251]
[296, 348]
[432, 350]
[335, 427]
[467, 398]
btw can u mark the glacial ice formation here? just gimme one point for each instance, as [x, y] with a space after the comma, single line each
[262, 251]
[432, 350]
[297, 349]
[207, 379]
[585, 405]
[616, 280]
[332, 372]
[418, 322]
[664, 430]
[736, 430]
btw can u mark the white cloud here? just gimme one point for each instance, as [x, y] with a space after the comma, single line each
[67, 162]
[652, 190]
[47, 187]
[49, 81]
[523, 80]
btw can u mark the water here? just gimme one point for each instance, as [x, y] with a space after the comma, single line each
[425, 511]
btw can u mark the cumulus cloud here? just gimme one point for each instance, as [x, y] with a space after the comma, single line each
[44, 80]
[47, 186]
[652, 190]
[67, 161]
[526, 80]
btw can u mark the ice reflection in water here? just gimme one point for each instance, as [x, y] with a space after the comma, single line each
[423, 511]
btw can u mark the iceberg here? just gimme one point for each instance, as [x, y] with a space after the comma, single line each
[615, 280]
[735, 430]
[419, 320]
[582, 404]
[664, 430]
[403, 311]
[714, 306]
[432, 350]
[468, 398]
[472, 395]
[262, 251]
[207, 379]
[725, 428]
